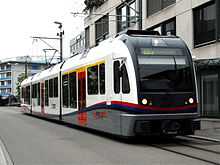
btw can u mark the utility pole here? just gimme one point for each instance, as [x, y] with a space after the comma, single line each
[60, 34]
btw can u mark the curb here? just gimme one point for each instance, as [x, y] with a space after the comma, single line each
[4, 156]
[210, 120]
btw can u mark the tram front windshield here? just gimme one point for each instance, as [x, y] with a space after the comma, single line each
[164, 70]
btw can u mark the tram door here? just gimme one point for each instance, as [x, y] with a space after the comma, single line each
[42, 97]
[81, 90]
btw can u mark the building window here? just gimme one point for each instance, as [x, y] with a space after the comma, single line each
[102, 78]
[87, 38]
[126, 16]
[154, 6]
[73, 90]
[165, 28]
[92, 73]
[204, 23]
[102, 29]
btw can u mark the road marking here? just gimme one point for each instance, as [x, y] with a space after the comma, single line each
[2, 155]
[203, 138]
[5, 158]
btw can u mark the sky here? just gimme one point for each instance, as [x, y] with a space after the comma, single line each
[21, 19]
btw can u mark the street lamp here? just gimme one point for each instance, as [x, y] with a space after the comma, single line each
[61, 39]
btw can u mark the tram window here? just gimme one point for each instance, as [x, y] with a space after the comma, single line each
[92, 80]
[38, 93]
[72, 87]
[125, 80]
[28, 95]
[102, 78]
[55, 87]
[65, 91]
[33, 88]
[46, 93]
[116, 76]
[22, 92]
[51, 88]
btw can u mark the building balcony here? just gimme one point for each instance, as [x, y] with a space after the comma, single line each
[5, 70]
[5, 78]
[5, 86]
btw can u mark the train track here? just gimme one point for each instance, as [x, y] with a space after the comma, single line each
[195, 147]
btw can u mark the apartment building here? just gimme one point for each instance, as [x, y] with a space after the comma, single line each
[10, 69]
[197, 22]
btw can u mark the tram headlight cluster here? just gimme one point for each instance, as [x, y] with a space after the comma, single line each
[145, 101]
[191, 100]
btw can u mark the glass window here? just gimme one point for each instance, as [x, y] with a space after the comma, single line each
[65, 85]
[55, 89]
[166, 28]
[102, 28]
[166, 3]
[210, 95]
[126, 16]
[46, 93]
[205, 23]
[154, 6]
[92, 73]
[51, 88]
[125, 80]
[116, 77]
[87, 38]
[102, 78]
[38, 94]
[28, 95]
[73, 90]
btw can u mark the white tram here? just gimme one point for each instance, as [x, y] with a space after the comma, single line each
[138, 83]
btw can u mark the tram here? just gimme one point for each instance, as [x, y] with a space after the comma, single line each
[137, 83]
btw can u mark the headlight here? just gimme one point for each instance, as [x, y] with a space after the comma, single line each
[191, 100]
[4, 97]
[144, 101]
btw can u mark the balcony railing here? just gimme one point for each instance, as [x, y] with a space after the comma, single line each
[5, 70]
[5, 86]
[5, 78]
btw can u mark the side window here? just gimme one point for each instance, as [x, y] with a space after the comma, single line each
[28, 94]
[51, 88]
[102, 78]
[73, 90]
[46, 93]
[125, 80]
[116, 66]
[65, 91]
[55, 87]
[92, 78]
[38, 93]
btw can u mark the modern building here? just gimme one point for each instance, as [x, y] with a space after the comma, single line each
[197, 22]
[77, 44]
[11, 68]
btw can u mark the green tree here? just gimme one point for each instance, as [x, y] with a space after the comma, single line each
[20, 78]
[93, 3]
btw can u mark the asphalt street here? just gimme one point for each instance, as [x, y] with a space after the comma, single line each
[33, 141]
